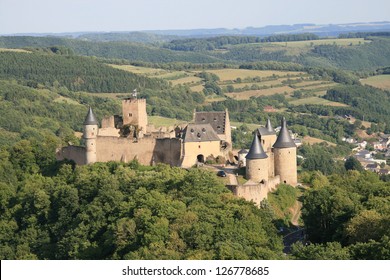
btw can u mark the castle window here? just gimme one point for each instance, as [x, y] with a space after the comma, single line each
[130, 114]
[215, 119]
[218, 127]
[204, 130]
[203, 119]
[199, 135]
[199, 146]
[192, 130]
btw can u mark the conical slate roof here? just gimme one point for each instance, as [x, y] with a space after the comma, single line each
[284, 139]
[256, 151]
[269, 127]
[267, 130]
[90, 119]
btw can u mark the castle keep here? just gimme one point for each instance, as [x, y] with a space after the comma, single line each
[129, 136]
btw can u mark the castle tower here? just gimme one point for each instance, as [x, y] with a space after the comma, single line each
[285, 156]
[267, 136]
[256, 162]
[89, 136]
[134, 112]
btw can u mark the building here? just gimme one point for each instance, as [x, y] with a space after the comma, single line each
[129, 136]
[271, 160]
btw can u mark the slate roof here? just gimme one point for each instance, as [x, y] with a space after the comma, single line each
[90, 119]
[267, 130]
[217, 120]
[256, 151]
[199, 133]
[284, 139]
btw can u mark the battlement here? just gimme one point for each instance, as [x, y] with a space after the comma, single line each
[134, 100]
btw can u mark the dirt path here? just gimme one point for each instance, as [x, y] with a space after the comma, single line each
[296, 213]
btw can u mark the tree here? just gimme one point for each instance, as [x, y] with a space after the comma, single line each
[353, 164]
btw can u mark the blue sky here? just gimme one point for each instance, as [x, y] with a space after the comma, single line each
[40, 16]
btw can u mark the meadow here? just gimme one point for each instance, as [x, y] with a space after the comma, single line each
[380, 81]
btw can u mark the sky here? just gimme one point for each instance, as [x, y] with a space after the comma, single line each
[53, 16]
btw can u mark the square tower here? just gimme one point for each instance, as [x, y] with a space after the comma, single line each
[134, 112]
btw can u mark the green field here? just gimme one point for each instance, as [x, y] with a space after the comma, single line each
[158, 121]
[13, 50]
[314, 100]
[301, 47]
[246, 83]
[380, 81]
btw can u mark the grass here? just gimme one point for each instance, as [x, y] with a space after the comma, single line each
[186, 80]
[300, 47]
[13, 50]
[251, 126]
[197, 88]
[314, 100]
[380, 81]
[261, 92]
[232, 74]
[140, 70]
[62, 99]
[312, 140]
[311, 43]
[158, 121]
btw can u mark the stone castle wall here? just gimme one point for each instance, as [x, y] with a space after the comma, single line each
[255, 192]
[75, 153]
[147, 150]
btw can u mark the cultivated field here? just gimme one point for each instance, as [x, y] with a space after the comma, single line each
[246, 83]
[158, 121]
[380, 81]
[314, 100]
[312, 140]
[261, 92]
[13, 50]
[233, 74]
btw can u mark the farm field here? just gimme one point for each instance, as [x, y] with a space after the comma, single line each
[380, 81]
[261, 92]
[13, 50]
[246, 83]
[300, 47]
[314, 100]
[312, 140]
[336, 41]
[233, 74]
[158, 121]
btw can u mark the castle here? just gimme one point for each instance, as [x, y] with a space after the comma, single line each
[129, 136]
[271, 159]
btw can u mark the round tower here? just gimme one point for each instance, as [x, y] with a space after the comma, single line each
[256, 162]
[285, 156]
[90, 136]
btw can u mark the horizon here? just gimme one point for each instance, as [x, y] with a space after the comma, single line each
[191, 29]
[89, 16]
